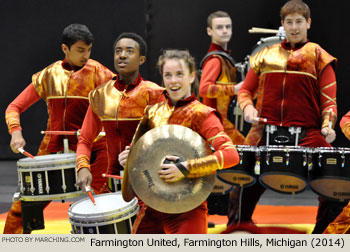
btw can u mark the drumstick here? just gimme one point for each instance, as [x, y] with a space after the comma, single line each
[262, 30]
[112, 176]
[70, 133]
[260, 120]
[26, 153]
[88, 190]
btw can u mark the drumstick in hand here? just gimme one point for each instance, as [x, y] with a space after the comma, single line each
[65, 132]
[26, 153]
[88, 190]
[112, 176]
[260, 120]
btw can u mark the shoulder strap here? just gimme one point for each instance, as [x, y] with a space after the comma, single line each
[221, 53]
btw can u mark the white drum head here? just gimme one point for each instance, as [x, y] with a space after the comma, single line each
[47, 159]
[108, 204]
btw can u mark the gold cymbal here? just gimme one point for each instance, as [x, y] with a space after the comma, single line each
[149, 153]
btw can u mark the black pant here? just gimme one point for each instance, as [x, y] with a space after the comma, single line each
[328, 210]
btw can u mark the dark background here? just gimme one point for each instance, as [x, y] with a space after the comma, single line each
[31, 33]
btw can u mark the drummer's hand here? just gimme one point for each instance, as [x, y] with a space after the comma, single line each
[17, 141]
[84, 179]
[169, 172]
[238, 86]
[250, 113]
[329, 134]
[123, 156]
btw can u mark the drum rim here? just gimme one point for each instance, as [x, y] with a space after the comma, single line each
[118, 212]
[282, 148]
[45, 197]
[85, 222]
[43, 169]
[339, 150]
[37, 161]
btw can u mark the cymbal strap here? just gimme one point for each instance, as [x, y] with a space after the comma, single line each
[182, 169]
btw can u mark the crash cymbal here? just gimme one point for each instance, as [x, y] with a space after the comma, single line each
[144, 161]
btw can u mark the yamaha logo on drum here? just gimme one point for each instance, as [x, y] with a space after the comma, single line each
[341, 194]
[289, 186]
[40, 183]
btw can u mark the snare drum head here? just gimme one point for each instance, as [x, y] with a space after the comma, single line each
[47, 159]
[106, 204]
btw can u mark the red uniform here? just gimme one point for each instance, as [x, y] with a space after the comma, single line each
[65, 91]
[202, 119]
[341, 225]
[294, 87]
[117, 108]
[217, 87]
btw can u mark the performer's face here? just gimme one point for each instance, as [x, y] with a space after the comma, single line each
[78, 54]
[127, 59]
[177, 79]
[220, 30]
[296, 26]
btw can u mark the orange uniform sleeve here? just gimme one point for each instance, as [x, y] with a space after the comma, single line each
[225, 154]
[345, 125]
[248, 90]
[328, 93]
[22, 102]
[208, 86]
[89, 131]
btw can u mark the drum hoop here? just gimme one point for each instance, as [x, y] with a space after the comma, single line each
[63, 167]
[248, 147]
[84, 222]
[51, 196]
[116, 212]
[284, 149]
[339, 150]
[32, 162]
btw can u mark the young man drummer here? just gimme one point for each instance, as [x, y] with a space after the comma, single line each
[64, 86]
[117, 106]
[218, 84]
[295, 86]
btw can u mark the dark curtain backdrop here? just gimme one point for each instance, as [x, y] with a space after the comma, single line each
[31, 32]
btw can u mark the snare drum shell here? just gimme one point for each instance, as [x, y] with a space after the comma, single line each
[276, 168]
[243, 174]
[330, 173]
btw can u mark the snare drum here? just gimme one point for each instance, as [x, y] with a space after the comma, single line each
[243, 173]
[48, 177]
[285, 168]
[110, 215]
[330, 173]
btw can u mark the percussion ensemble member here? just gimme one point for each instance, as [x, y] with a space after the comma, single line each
[64, 86]
[217, 84]
[178, 71]
[341, 224]
[218, 80]
[295, 86]
[117, 106]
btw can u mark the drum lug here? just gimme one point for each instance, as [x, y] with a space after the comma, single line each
[319, 160]
[342, 159]
[240, 157]
[268, 158]
[287, 158]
